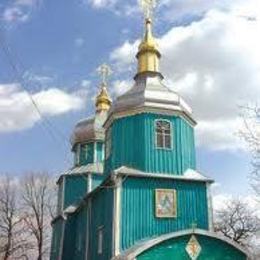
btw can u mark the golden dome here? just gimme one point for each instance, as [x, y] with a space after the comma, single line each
[148, 55]
[103, 101]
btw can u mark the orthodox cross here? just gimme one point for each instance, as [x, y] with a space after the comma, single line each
[105, 71]
[148, 7]
[194, 226]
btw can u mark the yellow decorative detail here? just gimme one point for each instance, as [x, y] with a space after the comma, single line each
[103, 101]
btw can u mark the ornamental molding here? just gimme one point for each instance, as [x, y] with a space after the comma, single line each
[133, 252]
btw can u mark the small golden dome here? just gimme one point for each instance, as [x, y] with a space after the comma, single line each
[103, 101]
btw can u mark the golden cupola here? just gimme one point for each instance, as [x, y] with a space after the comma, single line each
[148, 54]
[103, 101]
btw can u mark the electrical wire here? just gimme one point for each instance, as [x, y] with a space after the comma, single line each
[48, 126]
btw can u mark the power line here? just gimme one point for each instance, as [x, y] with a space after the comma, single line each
[18, 76]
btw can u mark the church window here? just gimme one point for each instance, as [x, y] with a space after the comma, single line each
[77, 154]
[163, 133]
[86, 151]
[108, 143]
[100, 240]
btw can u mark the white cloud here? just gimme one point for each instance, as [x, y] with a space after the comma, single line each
[19, 11]
[17, 111]
[79, 42]
[119, 87]
[14, 14]
[215, 64]
[102, 3]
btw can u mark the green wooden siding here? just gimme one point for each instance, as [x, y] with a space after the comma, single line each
[56, 239]
[100, 151]
[138, 208]
[81, 234]
[133, 145]
[75, 189]
[69, 238]
[96, 180]
[212, 249]
[101, 216]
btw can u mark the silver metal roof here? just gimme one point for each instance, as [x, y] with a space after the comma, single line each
[89, 129]
[149, 91]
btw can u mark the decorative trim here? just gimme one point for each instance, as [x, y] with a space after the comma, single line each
[133, 252]
[89, 183]
[142, 110]
[62, 239]
[139, 174]
[117, 217]
[210, 207]
[95, 152]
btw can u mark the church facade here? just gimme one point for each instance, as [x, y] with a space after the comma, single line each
[134, 191]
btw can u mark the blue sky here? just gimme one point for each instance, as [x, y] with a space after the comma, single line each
[209, 56]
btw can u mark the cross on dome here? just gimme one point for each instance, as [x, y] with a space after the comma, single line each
[148, 7]
[104, 71]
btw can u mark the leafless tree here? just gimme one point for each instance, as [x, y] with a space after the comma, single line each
[251, 134]
[39, 198]
[13, 242]
[237, 221]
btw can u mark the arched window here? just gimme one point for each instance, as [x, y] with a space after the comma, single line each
[163, 132]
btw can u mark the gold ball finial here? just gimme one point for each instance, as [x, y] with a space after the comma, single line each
[103, 101]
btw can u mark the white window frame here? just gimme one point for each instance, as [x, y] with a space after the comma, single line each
[108, 143]
[100, 240]
[171, 135]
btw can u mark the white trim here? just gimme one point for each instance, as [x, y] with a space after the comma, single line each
[100, 240]
[210, 207]
[62, 238]
[89, 183]
[133, 252]
[117, 217]
[63, 194]
[95, 152]
[142, 110]
[140, 174]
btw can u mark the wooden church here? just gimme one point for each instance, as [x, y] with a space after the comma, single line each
[134, 191]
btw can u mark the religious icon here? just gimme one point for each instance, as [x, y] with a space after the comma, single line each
[165, 200]
[193, 248]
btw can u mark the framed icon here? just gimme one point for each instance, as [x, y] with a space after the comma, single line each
[165, 203]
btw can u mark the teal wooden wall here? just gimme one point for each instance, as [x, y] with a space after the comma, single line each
[81, 234]
[101, 216]
[75, 189]
[56, 239]
[138, 208]
[133, 145]
[96, 180]
[69, 238]
[100, 151]
[212, 249]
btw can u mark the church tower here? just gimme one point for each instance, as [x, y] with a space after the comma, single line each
[134, 191]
